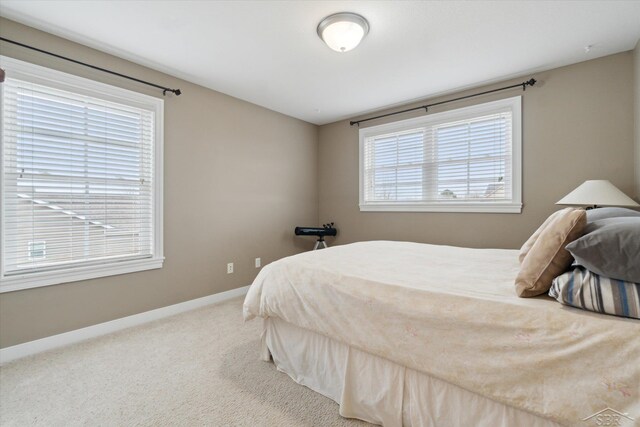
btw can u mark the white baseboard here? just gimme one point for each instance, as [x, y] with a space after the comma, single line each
[32, 347]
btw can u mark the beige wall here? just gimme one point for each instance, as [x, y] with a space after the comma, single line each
[577, 125]
[238, 178]
[636, 77]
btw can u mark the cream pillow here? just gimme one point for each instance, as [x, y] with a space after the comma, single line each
[524, 250]
[547, 257]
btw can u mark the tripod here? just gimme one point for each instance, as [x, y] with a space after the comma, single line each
[320, 243]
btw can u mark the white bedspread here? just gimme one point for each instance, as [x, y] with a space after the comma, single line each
[452, 313]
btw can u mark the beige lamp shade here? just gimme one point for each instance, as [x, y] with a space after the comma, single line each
[598, 192]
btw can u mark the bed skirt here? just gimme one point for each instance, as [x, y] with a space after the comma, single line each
[379, 391]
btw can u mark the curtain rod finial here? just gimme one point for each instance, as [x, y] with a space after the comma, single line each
[177, 92]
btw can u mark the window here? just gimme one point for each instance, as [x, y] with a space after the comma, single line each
[81, 178]
[465, 160]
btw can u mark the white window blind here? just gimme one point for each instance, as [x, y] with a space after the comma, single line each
[78, 180]
[461, 160]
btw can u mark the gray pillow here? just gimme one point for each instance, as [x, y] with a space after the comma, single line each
[610, 248]
[603, 213]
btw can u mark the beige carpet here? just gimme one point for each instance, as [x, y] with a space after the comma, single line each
[196, 368]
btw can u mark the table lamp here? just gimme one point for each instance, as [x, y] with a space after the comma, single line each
[598, 192]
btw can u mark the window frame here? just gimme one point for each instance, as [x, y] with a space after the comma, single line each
[512, 206]
[59, 80]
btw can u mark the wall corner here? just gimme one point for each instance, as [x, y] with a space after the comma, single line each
[636, 116]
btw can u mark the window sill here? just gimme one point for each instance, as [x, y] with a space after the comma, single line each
[74, 274]
[443, 207]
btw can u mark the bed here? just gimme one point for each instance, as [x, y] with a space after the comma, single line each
[412, 334]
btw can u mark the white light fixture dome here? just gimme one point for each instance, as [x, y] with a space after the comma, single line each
[343, 31]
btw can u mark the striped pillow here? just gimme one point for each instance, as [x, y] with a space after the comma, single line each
[584, 289]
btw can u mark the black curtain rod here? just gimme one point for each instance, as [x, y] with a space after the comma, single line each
[524, 85]
[164, 89]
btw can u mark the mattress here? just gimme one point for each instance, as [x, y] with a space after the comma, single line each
[452, 313]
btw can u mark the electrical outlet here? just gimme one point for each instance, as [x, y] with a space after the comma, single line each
[258, 262]
[230, 268]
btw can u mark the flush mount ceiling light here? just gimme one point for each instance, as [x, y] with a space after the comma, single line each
[343, 31]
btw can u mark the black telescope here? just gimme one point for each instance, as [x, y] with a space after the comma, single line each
[320, 232]
[315, 231]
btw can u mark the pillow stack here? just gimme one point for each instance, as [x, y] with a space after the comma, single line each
[605, 277]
